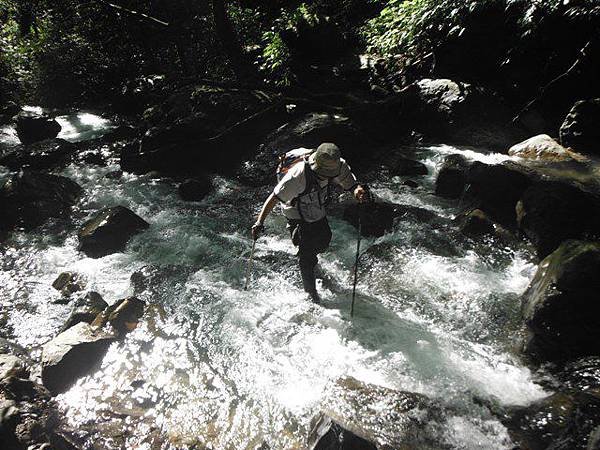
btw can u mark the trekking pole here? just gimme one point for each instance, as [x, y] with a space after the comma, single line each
[360, 208]
[249, 267]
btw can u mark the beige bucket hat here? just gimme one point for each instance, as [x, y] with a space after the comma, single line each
[326, 160]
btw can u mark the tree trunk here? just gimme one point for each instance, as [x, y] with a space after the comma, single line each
[240, 62]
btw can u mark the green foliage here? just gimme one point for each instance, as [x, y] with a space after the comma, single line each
[275, 58]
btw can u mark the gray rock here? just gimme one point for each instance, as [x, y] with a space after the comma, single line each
[12, 366]
[73, 354]
[452, 177]
[561, 307]
[123, 316]
[551, 212]
[594, 439]
[85, 309]
[44, 155]
[28, 199]
[330, 435]
[32, 127]
[580, 130]
[68, 283]
[109, 230]
[540, 147]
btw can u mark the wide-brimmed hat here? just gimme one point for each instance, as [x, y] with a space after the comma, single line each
[325, 161]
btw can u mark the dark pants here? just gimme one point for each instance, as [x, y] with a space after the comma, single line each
[311, 238]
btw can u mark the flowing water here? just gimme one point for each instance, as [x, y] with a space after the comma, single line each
[214, 366]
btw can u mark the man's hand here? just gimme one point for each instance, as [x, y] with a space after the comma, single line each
[361, 194]
[257, 229]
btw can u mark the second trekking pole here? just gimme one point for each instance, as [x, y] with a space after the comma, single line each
[360, 211]
[249, 267]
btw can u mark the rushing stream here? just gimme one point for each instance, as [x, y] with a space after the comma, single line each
[218, 367]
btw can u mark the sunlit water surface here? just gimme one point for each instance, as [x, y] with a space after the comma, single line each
[218, 367]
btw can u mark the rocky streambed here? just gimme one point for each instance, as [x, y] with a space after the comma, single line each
[125, 323]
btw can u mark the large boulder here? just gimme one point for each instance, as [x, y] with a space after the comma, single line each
[28, 199]
[44, 155]
[73, 354]
[496, 189]
[580, 130]
[463, 113]
[550, 212]
[452, 177]
[109, 230]
[32, 127]
[540, 147]
[561, 306]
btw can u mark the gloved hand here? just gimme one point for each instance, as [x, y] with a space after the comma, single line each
[362, 194]
[257, 230]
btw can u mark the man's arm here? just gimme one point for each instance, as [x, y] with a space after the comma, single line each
[349, 182]
[268, 206]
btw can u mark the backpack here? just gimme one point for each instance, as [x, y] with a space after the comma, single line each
[290, 159]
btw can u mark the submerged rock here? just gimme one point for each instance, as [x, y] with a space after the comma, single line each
[541, 147]
[73, 354]
[562, 421]
[580, 130]
[44, 155]
[194, 190]
[32, 127]
[28, 199]
[561, 307]
[85, 309]
[550, 212]
[452, 177]
[109, 231]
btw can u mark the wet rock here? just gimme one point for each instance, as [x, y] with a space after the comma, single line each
[194, 190]
[109, 230]
[12, 366]
[123, 316]
[580, 130]
[32, 127]
[68, 283]
[476, 223]
[594, 439]
[8, 423]
[45, 155]
[28, 199]
[550, 212]
[72, 354]
[329, 435]
[406, 420]
[562, 421]
[85, 309]
[463, 113]
[375, 218]
[560, 305]
[411, 184]
[496, 189]
[408, 167]
[452, 177]
[541, 147]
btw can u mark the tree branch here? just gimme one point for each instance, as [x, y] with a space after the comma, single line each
[135, 13]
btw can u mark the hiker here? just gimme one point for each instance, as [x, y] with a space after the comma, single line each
[304, 191]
